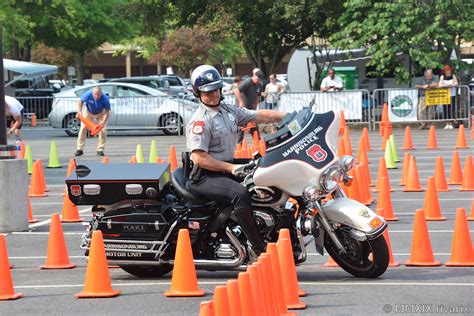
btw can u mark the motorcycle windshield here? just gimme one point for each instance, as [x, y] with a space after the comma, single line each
[301, 149]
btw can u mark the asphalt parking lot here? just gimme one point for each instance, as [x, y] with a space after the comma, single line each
[330, 291]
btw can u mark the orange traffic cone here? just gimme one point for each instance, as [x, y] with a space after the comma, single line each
[385, 138]
[70, 213]
[461, 142]
[330, 263]
[431, 206]
[289, 278]
[172, 158]
[105, 160]
[33, 120]
[71, 166]
[384, 201]
[31, 219]
[347, 141]
[91, 125]
[382, 172]
[221, 301]
[22, 150]
[407, 141]
[133, 159]
[284, 233]
[365, 136]
[342, 123]
[36, 185]
[462, 253]
[421, 251]
[361, 150]
[413, 182]
[364, 189]
[365, 168]
[245, 291]
[455, 174]
[440, 176]
[354, 188]
[97, 282]
[406, 162]
[432, 142]
[257, 290]
[184, 279]
[341, 148]
[6, 285]
[43, 179]
[234, 296]
[206, 308]
[468, 179]
[266, 272]
[58, 257]
[384, 121]
[391, 262]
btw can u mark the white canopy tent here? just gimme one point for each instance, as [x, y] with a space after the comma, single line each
[27, 70]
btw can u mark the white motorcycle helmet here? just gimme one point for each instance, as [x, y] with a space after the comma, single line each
[205, 78]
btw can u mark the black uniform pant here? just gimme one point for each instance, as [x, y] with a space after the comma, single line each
[222, 188]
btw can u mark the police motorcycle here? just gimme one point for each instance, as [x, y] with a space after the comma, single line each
[140, 207]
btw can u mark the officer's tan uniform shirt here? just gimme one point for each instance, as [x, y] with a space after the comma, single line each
[215, 132]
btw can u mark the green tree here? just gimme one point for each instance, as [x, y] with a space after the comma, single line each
[427, 31]
[17, 29]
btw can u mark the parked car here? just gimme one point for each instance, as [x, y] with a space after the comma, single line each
[133, 106]
[170, 84]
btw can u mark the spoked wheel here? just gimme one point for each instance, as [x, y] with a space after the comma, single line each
[363, 259]
[172, 124]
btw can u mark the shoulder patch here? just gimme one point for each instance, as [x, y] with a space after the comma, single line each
[198, 127]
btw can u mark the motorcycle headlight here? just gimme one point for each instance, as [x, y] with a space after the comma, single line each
[310, 193]
[330, 179]
[346, 163]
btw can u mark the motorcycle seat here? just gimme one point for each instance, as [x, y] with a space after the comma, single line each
[179, 182]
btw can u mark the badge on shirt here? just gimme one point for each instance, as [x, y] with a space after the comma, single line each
[231, 117]
[198, 127]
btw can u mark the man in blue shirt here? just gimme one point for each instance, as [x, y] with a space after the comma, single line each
[97, 108]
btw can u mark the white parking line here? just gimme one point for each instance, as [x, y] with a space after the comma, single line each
[42, 223]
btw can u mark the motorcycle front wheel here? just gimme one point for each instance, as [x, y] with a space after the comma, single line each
[363, 259]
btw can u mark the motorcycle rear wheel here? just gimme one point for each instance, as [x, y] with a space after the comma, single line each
[364, 259]
[148, 271]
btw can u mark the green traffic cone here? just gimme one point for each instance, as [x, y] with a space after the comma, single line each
[153, 152]
[53, 156]
[29, 158]
[393, 148]
[139, 154]
[389, 162]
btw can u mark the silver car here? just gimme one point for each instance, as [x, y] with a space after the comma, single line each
[133, 106]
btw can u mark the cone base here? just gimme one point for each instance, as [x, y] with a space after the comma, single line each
[422, 264]
[37, 195]
[394, 264]
[468, 189]
[442, 218]
[443, 190]
[301, 292]
[85, 294]
[413, 190]
[50, 167]
[407, 148]
[455, 182]
[74, 220]
[459, 264]
[34, 220]
[463, 147]
[171, 293]
[58, 266]
[296, 306]
[13, 296]
[391, 219]
[470, 218]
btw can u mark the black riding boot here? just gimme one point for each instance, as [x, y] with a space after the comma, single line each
[247, 222]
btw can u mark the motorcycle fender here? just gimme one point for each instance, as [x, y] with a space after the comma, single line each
[356, 215]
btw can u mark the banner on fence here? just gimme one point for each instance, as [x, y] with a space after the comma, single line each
[403, 105]
[348, 101]
[438, 96]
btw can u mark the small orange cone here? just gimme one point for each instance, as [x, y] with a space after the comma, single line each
[58, 257]
[91, 125]
[221, 301]
[33, 120]
[184, 279]
[382, 172]
[471, 217]
[431, 206]
[71, 166]
[391, 262]
[43, 179]
[284, 233]
[455, 174]
[6, 285]
[257, 290]
[468, 179]
[341, 148]
[384, 201]
[432, 142]
[365, 168]
[234, 297]
[36, 185]
[361, 150]
[421, 251]
[347, 141]
[172, 158]
[462, 253]
[266, 272]
[31, 219]
[246, 297]
[22, 150]
[331, 263]
[354, 188]
[97, 282]
[413, 182]
[342, 123]
[385, 138]
[289, 278]
[461, 142]
[407, 141]
[406, 162]
[365, 136]
[440, 176]
[206, 308]
[70, 213]
[133, 159]
[364, 187]
[105, 160]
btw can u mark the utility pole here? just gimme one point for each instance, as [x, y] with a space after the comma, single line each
[3, 120]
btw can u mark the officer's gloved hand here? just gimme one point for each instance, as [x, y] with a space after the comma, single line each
[241, 171]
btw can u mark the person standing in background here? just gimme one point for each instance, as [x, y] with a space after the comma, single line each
[14, 114]
[450, 111]
[272, 92]
[425, 113]
[332, 82]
